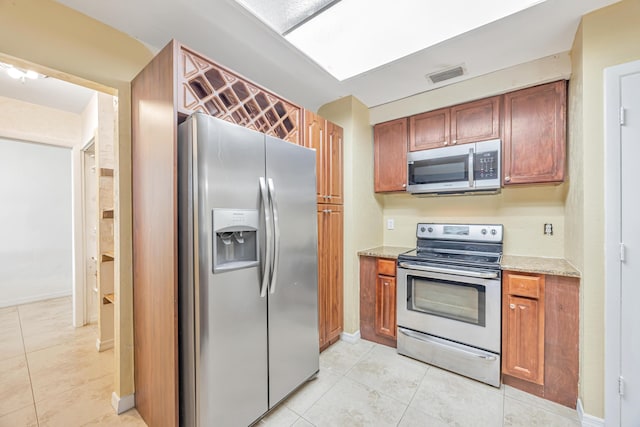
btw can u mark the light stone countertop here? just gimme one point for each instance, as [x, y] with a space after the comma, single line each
[529, 264]
[384, 251]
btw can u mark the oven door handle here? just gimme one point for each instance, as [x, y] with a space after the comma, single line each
[422, 337]
[481, 275]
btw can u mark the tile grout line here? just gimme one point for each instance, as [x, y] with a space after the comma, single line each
[26, 359]
[414, 395]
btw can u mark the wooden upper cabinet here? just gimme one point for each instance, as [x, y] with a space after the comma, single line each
[327, 139]
[390, 156]
[476, 121]
[535, 134]
[314, 137]
[429, 130]
[334, 165]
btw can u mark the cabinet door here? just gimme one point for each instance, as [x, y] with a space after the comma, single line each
[322, 277]
[330, 268]
[523, 342]
[333, 165]
[476, 121]
[385, 321]
[429, 130]
[534, 134]
[390, 156]
[314, 137]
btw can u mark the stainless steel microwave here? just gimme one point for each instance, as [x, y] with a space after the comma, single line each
[455, 169]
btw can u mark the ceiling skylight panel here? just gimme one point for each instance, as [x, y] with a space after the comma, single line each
[355, 36]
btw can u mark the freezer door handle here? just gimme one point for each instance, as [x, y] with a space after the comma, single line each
[266, 266]
[276, 233]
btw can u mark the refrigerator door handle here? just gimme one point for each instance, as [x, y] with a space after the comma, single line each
[266, 267]
[276, 228]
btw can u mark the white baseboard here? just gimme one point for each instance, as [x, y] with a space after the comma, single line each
[104, 345]
[123, 404]
[350, 338]
[34, 298]
[588, 420]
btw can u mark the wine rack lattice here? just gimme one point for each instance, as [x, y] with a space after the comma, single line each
[211, 89]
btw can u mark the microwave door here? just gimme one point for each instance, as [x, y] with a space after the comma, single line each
[442, 174]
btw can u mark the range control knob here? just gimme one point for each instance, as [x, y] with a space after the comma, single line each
[430, 229]
[493, 231]
[484, 231]
[423, 229]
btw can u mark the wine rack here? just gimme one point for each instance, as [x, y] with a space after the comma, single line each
[211, 89]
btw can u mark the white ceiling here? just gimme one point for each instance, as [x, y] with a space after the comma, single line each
[227, 33]
[49, 92]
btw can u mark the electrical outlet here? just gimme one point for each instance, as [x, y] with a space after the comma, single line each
[390, 224]
[548, 229]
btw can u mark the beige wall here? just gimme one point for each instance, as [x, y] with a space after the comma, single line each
[65, 43]
[522, 211]
[608, 37]
[29, 122]
[362, 210]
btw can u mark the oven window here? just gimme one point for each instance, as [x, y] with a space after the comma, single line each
[451, 300]
[449, 169]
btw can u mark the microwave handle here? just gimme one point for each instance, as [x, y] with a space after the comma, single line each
[471, 177]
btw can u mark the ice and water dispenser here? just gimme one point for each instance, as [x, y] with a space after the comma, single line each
[235, 233]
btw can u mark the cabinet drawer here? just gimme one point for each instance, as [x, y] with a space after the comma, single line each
[387, 267]
[524, 286]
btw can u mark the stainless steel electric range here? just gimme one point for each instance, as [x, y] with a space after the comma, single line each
[449, 299]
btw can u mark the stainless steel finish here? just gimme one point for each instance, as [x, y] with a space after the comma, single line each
[471, 178]
[472, 362]
[266, 263]
[293, 313]
[487, 338]
[276, 238]
[231, 365]
[472, 183]
[459, 272]
[438, 231]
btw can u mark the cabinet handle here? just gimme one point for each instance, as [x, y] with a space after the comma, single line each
[327, 211]
[507, 178]
[404, 185]
[512, 306]
[446, 143]
[454, 142]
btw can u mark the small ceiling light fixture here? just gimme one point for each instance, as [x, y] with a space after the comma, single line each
[20, 74]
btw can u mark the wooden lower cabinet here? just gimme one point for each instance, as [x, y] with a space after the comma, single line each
[330, 268]
[378, 300]
[540, 327]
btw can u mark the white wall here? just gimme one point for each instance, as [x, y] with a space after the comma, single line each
[35, 222]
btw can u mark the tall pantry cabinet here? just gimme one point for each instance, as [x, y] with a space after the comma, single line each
[327, 139]
[176, 83]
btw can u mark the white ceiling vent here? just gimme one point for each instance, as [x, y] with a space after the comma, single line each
[441, 76]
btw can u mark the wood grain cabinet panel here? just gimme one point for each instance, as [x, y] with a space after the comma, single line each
[476, 121]
[429, 130]
[330, 269]
[535, 134]
[390, 156]
[385, 323]
[540, 342]
[378, 300]
[327, 139]
[523, 354]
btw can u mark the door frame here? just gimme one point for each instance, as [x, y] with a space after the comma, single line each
[613, 235]
[79, 298]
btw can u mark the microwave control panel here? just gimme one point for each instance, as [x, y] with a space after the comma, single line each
[486, 165]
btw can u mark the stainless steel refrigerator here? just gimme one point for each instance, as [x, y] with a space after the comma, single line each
[248, 271]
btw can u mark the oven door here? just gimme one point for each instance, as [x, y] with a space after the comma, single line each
[461, 305]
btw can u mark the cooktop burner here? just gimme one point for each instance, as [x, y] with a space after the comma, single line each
[457, 244]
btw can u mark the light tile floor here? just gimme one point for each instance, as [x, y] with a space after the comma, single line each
[52, 375]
